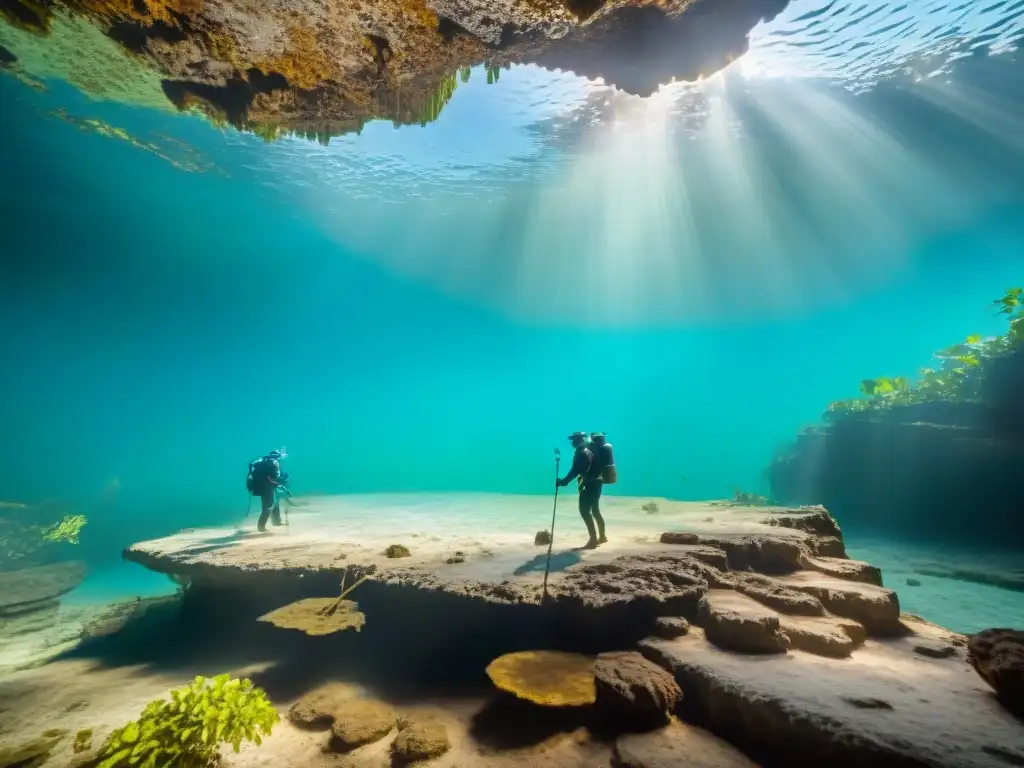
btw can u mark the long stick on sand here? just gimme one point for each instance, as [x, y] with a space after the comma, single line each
[551, 538]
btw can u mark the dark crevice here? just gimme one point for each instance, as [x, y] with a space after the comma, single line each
[509, 34]
[382, 51]
[584, 9]
[134, 36]
[449, 29]
[232, 99]
[6, 57]
[27, 15]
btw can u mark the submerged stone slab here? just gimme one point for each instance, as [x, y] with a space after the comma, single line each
[338, 535]
[885, 705]
[29, 589]
[675, 746]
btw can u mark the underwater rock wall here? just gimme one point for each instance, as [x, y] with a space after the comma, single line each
[942, 470]
[323, 69]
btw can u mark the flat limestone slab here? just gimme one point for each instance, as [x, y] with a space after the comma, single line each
[457, 537]
[884, 705]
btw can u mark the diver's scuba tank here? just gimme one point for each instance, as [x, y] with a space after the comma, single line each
[606, 459]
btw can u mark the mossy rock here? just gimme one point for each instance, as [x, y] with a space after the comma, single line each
[397, 550]
[83, 741]
[359, 722]
[419, 738]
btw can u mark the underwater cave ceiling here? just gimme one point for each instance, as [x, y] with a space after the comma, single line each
[328, 67]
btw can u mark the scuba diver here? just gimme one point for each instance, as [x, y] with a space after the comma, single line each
[587, 471]
[266, 481]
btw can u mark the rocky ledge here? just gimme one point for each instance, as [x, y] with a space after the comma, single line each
[780, 644]
[326, 68]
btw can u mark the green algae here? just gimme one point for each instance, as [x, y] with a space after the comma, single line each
[77, 51]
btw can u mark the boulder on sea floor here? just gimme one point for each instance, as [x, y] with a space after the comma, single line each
[632, 692]
[543, 538]
[397, 550]
[317, 709]
[419, 738]
[674, 746]
[669, 627]
[998, 656]
[39, 587]
[361, 721]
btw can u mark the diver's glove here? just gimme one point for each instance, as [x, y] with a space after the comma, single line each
[559, 483]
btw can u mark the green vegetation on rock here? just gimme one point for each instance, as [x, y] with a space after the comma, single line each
[28, 532]
[187, 731]
[958, 376]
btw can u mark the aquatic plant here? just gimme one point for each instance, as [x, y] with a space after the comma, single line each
[958, 376]
[28, 532]
[67, 529]
[187, 731]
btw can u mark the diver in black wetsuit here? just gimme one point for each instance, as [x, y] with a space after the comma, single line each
[265, 481]
[588, 475]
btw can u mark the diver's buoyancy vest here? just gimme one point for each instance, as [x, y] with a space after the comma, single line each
[603, 463]
[260, 471]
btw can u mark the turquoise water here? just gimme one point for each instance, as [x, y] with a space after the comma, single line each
[698, 275]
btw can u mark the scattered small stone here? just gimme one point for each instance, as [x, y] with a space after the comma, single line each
[913, 582]
[397, 550]
[935, 650]
[455, 559]
[679, 538]
[359, 722]
[542, 538]
[671, 627]
[867, 703]
[650, 508]
[419, 738]
[342, 556]
[708, 520]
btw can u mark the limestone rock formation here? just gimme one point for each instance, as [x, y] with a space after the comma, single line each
[914, 470]
[323, 69]
[397, 550]
[738, 624]
[669, 627]
[632, 692]
[30, 589]
[675, 746]
[318, 708]
[419, 738]
[883, 706]
[998, 656]
[361, 721]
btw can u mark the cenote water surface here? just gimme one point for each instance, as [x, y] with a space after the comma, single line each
[699, 274]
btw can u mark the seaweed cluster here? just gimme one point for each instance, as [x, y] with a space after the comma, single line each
[958, 376]
[30, 534]
[187, 731]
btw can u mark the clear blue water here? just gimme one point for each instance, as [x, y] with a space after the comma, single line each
[697, 274]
